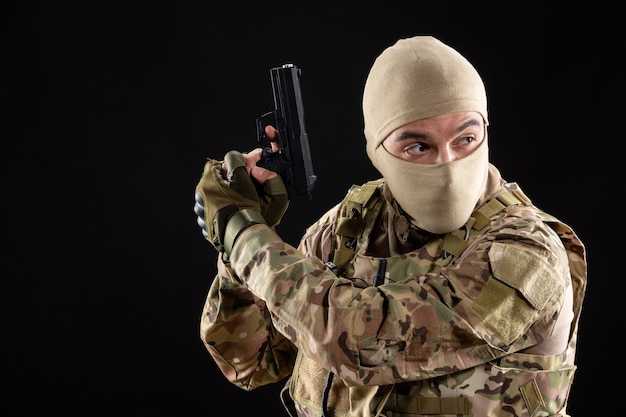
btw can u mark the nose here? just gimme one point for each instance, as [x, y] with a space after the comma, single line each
[445, 154]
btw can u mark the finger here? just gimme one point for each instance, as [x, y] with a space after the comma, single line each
[252, 158]
[258, 173]
[232, 161]
[261, 174]
[237, 175]
[272, 134]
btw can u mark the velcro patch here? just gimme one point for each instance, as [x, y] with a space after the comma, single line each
[527, 272]
[523, 284]
[503, 310]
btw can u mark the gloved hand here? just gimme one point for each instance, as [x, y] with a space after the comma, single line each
[274, 200]
[226, 206]
[271, 188]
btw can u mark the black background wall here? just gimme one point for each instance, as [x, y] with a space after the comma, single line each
[111, 108]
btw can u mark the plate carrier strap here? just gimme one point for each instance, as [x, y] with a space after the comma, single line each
[362, 205]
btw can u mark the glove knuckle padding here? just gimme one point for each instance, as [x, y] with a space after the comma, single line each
[198, 208]
[221, 197]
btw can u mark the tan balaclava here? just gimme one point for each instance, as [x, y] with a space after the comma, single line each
[415, 79]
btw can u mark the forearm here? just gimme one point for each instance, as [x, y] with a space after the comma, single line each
[237, 331]
[350, 330]
[356, 330]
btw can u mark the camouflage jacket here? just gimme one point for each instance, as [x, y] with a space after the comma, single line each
[480, 322]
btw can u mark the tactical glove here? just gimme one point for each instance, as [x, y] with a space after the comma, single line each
[274, 200]
[226, 207]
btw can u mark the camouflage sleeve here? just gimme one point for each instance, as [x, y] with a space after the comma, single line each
[418, 326]
[236, 329]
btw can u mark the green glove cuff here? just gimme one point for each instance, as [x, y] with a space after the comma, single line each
[237, 223]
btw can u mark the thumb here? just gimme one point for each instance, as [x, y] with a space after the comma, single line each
[261, 174]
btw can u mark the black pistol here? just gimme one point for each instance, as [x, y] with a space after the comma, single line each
[292, 161]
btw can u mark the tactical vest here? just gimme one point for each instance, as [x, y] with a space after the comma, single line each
[528, 385]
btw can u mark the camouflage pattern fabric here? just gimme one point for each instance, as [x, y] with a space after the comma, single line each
[434, 339]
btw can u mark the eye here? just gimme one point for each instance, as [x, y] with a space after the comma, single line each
[416, 149]
[466, 140]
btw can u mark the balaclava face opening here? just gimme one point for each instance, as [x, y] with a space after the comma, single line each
[415, 79]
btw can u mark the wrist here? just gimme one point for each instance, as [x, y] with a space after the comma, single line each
[237, 223]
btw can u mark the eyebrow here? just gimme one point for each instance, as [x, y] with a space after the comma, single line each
[474, 121]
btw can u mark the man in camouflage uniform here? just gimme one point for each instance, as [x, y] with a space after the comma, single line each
[440, 289]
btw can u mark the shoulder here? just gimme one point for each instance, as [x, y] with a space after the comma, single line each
[525, 221]
[527, 274]
[359, 199]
